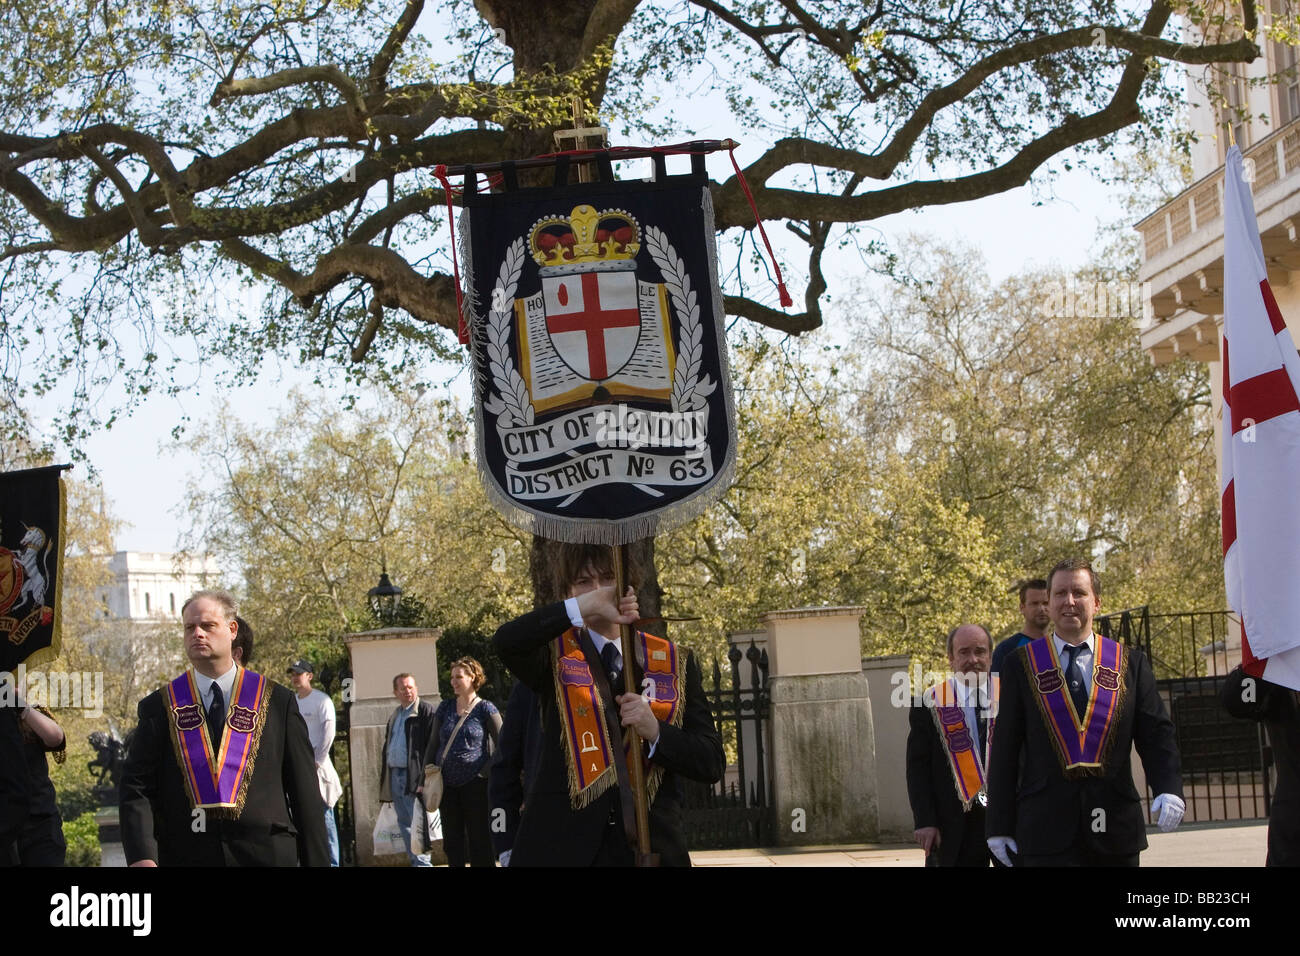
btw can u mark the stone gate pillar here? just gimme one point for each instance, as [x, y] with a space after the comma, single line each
[891, 690]
[378, 657]
[823, 747]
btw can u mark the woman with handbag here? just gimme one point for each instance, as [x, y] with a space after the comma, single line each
[461, 745]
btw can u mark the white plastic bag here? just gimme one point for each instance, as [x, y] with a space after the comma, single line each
[388, 832]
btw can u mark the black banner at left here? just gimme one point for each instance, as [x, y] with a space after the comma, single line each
[32, 506]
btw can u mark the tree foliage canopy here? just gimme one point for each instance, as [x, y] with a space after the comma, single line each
[160, 157]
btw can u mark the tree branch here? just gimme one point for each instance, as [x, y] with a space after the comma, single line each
[395, 283]
[383, 60]
[255, 85]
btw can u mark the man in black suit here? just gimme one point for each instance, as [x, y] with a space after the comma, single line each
[1059, 796]
[946, 754]
[14, 784]
[263, 808]
[514, 770]
[1253, 698]
[574, 814]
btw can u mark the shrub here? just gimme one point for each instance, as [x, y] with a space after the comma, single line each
[82, 835]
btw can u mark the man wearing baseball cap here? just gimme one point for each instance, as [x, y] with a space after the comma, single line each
[318, 711]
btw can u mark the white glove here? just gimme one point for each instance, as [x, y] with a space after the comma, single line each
[999, 846]
[504, 858]
[1168, 810]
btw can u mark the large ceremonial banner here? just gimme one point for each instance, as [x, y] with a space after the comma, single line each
[603, 402]
[31, 554]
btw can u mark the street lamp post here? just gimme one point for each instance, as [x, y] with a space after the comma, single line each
[384, 599]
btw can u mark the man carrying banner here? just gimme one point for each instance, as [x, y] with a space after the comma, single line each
[220, 771]
[574, 815]
[1071, 708]
[1277, 707]
[947, 750]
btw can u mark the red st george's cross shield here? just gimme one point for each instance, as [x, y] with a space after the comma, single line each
[592, 316]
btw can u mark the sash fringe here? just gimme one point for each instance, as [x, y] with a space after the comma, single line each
[1077, 773]
[580, 799]
[259, 721]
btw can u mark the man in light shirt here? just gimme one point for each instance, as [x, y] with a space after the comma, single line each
[318, 712]
[1072, 707]
[401, 768]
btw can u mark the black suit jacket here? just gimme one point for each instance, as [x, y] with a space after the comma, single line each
[1254, 698]
[1031, 799]
[514, 770]
[933, 795]
[283, 820]
[551, 832]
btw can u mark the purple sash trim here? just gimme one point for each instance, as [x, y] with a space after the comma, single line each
[233, 752]
[1081, 741]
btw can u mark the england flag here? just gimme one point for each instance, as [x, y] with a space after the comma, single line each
[1261, 447]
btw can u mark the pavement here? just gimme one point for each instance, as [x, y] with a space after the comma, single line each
[1197, 845]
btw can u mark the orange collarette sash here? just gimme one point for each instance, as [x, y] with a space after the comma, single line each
[587, 746]
[960, 742]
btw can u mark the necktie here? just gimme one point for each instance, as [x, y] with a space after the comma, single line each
[982, 722]
[1074, 679]
[216, 716]
[609, 657]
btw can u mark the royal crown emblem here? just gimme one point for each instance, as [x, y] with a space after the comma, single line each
[586, 238]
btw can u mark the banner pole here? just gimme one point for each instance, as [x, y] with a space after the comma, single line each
[642, 805]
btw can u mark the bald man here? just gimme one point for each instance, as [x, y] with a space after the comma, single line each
[947, 751]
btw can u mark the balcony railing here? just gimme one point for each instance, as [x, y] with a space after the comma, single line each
[1201, 204]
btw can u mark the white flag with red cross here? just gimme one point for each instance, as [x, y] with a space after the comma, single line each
[1261, 447]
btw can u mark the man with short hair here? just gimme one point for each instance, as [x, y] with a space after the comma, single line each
[318, 713]
[220, 771]
[1072, 706]
[576, 813]
[947, 751]
[401, 769]
[242, 649]
[1033, 608]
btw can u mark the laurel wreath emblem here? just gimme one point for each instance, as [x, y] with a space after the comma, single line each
[690, 391]
[513, 405]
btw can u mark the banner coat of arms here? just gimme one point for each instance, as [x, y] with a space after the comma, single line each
[603, 404]
[31, 559]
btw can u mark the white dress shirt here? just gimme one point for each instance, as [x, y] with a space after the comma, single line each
[1084, 659]
[226, 682]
